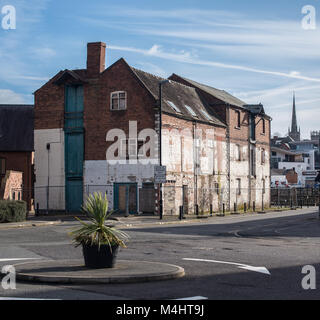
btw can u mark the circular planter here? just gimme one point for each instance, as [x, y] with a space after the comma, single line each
[103, 257]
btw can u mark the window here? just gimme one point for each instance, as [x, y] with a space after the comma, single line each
[206, 114]
[132, 147]
[238, 119]
[174, 107]
[238, 152]
[141, 148]
[216, 186]
[263, 126]
[263, 156]
[119, 100]
[238, 186]
[135, 148]
[197, 149]
[2, 166]
[191, 111]
[263, 186]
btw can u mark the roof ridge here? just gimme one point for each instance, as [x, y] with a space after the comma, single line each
[161, 78]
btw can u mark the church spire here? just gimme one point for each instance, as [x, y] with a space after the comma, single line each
[294, 133]
[294, 126]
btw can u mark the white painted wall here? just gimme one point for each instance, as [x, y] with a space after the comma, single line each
[56, 168]
[281, 179]
[99, 176]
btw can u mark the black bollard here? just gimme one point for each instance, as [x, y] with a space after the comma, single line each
[211, 210]
[197, 210]
[223, 209]
[161, 210]
[253, 206]
[181, 213]
[245, 207]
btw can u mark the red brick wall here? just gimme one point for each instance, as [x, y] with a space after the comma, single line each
[99, 119]
[11, 184]
[21, 161]
[49, 106]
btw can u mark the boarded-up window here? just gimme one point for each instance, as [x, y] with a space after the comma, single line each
[263, 156]
[238, 181]
[238, 152]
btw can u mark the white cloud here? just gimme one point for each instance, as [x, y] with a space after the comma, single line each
[44, 52]
[155, 49]
[11, 97]
[187, 58]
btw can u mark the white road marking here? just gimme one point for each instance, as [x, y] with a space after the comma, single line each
[10, 298]
[193, 298]
[16, 259]
[239, 265]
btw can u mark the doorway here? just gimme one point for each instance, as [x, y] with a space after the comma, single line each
[125, 197]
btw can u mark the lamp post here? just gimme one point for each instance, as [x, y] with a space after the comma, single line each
[161, 83]
[48, 185]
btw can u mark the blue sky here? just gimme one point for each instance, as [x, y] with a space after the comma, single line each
[256, 50]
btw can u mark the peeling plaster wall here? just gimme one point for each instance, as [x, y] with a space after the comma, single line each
[56, 168]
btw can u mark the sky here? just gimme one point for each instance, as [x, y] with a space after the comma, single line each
[256, 50]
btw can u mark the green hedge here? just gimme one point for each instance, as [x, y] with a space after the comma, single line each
[13, 211]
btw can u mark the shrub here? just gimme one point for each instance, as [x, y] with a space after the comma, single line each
[13, 211]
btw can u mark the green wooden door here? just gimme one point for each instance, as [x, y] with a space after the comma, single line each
[74, 147]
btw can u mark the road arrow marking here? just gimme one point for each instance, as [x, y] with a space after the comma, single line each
[193, 298]
[239, 265]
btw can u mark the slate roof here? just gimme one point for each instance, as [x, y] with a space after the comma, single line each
[76, 75]
[180, 95]
[16, 128]
[285, 151]
[220, 94]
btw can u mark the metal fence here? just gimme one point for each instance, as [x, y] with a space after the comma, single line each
[205, 201]
[295, 197]
[131, 198]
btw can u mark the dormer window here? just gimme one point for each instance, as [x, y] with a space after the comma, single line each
[118, 100]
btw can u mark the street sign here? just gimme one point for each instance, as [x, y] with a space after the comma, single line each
[160, 174]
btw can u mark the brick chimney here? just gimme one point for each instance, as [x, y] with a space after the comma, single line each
[96, 58]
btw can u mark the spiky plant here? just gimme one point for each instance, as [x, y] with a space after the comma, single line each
[96, 232]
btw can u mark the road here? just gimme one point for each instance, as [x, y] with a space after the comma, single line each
[219, 256]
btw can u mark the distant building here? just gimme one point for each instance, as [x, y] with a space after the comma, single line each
[293, 132]
[16, 152]
[291, 152]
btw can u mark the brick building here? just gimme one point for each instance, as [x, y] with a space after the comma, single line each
[97, 129]
[248, 133]
[16, 153]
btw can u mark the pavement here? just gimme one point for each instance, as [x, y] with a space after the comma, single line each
[142, 220]
[28, 224]
[74, 272]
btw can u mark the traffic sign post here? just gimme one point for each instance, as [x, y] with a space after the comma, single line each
[160, 174]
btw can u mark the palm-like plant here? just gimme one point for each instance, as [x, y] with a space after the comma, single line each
[96, 232]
